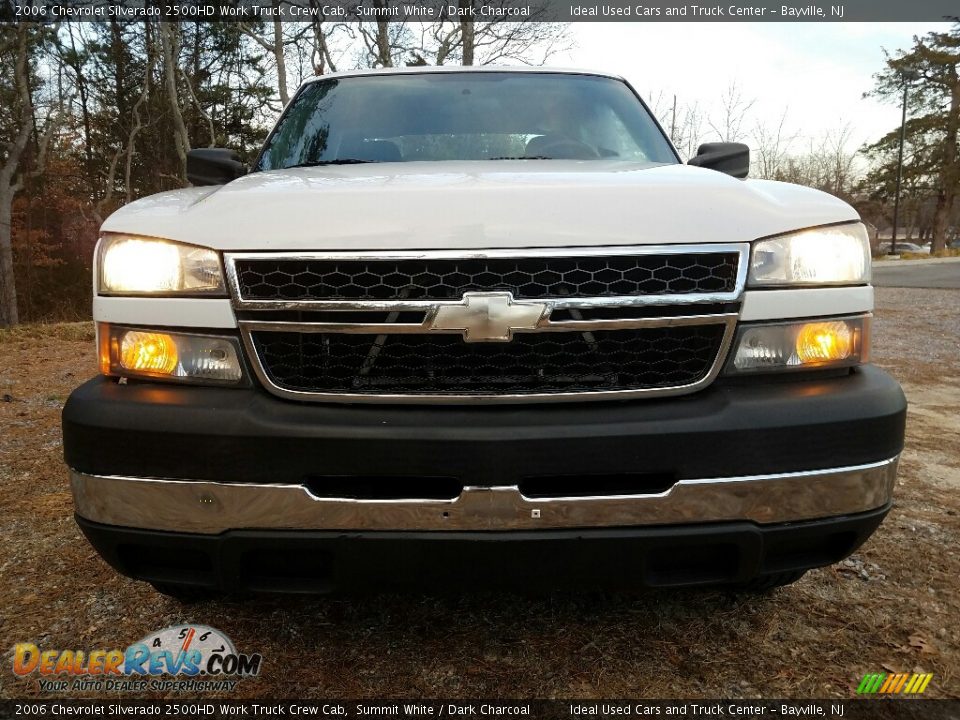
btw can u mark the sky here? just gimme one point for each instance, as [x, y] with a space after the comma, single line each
[817, 72]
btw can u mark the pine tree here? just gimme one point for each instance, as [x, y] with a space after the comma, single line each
[931, 157]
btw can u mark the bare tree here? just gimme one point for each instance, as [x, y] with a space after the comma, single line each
[322, 59]
[838, 161]
[170, 44]
[138, 123]
[828, 164]
[13, 173]
[23, 111]
[771, 148]
[276, 46]
[734, 111]
[385, 43]
[468, 34]
[657, 102]
[464, 40]
[688, 131]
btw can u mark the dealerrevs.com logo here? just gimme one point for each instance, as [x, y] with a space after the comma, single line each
[181, 657]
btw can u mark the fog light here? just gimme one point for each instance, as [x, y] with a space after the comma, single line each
[800, 345]
[183, 357]
[824, 341]
[149, 352]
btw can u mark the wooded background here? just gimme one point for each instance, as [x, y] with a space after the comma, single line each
[95, 115]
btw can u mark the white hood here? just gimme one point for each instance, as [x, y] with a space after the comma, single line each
[485, 204]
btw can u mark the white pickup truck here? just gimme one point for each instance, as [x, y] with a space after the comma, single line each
[480, 326]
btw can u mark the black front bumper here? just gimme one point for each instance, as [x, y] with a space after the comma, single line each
[247, 436]
[727, 430]
[320, 562]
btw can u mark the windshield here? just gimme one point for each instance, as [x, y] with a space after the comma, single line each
[464, 116]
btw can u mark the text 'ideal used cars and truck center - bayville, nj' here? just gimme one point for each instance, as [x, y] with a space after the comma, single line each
[706, 12]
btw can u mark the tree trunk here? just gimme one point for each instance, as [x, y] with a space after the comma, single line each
[468, 39]
[8, 186]
[137, 120]
[321, 51]
[170, 47]
[949, 174]
[281, 61]
[8, 288]
[383, 42]
[84, 106]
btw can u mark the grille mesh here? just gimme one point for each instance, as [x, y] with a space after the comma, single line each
[448, 279]
[608, 360]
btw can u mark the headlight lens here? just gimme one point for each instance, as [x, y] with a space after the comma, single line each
[800, 345]
[130, 265]
[833, 255]
[182, 357]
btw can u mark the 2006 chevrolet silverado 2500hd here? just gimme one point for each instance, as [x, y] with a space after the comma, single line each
[480, 326]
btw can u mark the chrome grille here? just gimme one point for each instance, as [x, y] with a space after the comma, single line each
[489, 326]
[569, 362]
[449, 278]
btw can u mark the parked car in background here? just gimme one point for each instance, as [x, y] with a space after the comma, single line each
[905, 247]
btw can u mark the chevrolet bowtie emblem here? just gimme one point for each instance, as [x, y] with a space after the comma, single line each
[489, 316]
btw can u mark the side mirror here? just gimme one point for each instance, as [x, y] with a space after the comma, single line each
[214, 166]
[726, 157]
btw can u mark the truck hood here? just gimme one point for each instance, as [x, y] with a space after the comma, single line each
[472, 205]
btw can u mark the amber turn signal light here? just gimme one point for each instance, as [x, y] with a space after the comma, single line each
[148, 352]
[824, 342]
[175, 356]
[806, 345]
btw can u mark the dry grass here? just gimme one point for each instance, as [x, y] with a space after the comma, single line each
[893, 606]
[69, 332]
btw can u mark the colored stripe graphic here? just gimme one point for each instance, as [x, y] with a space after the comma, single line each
[864, 684]
[894, 684]
[890, 682]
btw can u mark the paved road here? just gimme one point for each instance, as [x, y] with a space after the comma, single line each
[894, 273]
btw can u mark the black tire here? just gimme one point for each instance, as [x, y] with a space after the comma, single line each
[765, 583]
[186, 594]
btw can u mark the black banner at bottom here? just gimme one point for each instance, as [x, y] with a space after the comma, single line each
[875, 709]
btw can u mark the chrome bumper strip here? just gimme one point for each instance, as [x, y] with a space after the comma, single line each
[213, 507]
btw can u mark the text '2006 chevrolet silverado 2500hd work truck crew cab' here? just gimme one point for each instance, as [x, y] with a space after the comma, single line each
[480, 326]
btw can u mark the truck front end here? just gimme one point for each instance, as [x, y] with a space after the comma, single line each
[384, 359]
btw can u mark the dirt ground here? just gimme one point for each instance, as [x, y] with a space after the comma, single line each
[894, 606]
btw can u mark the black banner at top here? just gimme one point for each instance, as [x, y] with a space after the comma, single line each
[483, 10]
[213, 709]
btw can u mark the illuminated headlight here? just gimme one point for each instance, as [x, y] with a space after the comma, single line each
[800, 345]
[130, 265]
[835, 255]
[182, 357]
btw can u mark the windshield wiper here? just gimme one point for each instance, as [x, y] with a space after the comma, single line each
[522, 157]
[338, 161]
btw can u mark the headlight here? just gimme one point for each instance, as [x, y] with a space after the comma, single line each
[130, 265]
[800, 345]
[183, 357]
[834, 255]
